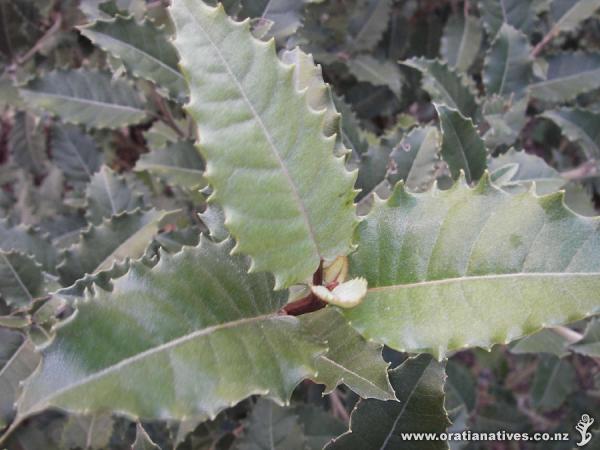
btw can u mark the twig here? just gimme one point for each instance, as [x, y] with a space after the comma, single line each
[49, 33]
[337, 406]
[570, 335]
[585, 170]
[466, 8]
[165, 114]
[540, 45]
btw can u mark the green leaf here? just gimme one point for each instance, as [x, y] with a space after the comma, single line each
[460, 387]
[18, 359]
[445, 85]
[367, 25]
[221, 341]
[579, 126]
[272, 427]
[508, 68]
[589, 345]
[91, 432]
[462, 147]
[517, 13]
[86, 97]
[109, 194]
[75, 153]
[379, 73]
[567, 14]
[21, 278]
[485, 267]
[142, 440]
[123, 236]
[506, 120]
[28, 240]
[461, 41]
[544, 341]
[350, 359]
[254, 154]
[567, 76]
[319, 426]
[414, 160]
[179, 164]
[554, 380]
[27, 144]
[376, 424]
[144, 49]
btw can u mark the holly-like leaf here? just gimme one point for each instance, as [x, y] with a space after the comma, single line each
[30, 241]
[123, 236]
[589, 345]
[461, 41]
[433, 259]
[567, 76]
[517, 13]
[86, 97]
[349, 359]
[506, 120]
[21, 278]
[221, 341]
[567, 14]
[144, 49]
[318, 425]
[462, 147]
[544, 341]
[508, 68]
[306, 193]
[379, 73]
[75, 153]
[445, 85]
[553, 381]
[579, 126]
[27, 144]
[142, 440]
[366, 27]
[376, 424]
[179, 164]
[92, 432]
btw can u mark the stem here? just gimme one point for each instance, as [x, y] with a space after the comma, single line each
[570, 335]
[545, 40]
[337, 406]
[49, 33]
[165, 114]
[585, 170]
[309, 303]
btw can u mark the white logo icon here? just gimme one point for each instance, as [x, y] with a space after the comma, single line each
[582, 426]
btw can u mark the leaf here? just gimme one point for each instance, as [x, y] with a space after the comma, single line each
[374, 163]
[307, 191]
[179, 164]
[18, 359]
[143, 48]
[589, 345]
[221, 341]
[568, 75]
[517, 13]
[272, 427]
[414, 159]
[123, 236]
[319, 426]
[375, 424]
[567, 14]
[445, 85]
[367, 25]
[462, 147]
[544, 341]
[350, 359]
[89, 432]
[28, 240]
[284, 16]
[553, 381]
[506, 119]
[75, 153]
[461, 41]
[579, 126]
[21, 278]
[433, 259]
[109, 194]
[85, 97]
[379, 73]
[460, 387]
[142, 440]
[508, 68]
[27, 144]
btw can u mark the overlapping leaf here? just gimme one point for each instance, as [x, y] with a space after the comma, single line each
[240, 93]
[461, 41]
[75, 153]
[21, 278]
[513, 12]
[580, 126]
[27, 144]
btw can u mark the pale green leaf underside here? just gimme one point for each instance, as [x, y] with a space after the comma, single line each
[472, 267]
[189, 337]
[270, 164]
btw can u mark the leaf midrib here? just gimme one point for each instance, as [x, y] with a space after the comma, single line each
[84, 100]
[351, 372]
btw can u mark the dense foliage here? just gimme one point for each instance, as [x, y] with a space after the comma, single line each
[298, 224]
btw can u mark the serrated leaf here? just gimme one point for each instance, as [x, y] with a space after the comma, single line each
[589, 345]
[123, 236]
[349, 359]
[179, 164]
[109, 194]
[254, 154]
[567, 14]
[567, 76]
[460, 387]
[544, 341]
[144, 49]
[375, 424]
[517, 13]
[272, 427]
[318, 425]
[461, 41]
[414, 158]
[91, 432]
[221, 341]
[142, 440]
[86, 97]
[508, 68]
[27, 144]
[506, 120]
[472, 267]
[367, 24]
[462, 147]
[553, 381]
[21, 278]
[445, 85]
[579, 126]
[283, 16]
[75, 153]
[379, 73]
[350, 127]
[28, 240]
[18, 359]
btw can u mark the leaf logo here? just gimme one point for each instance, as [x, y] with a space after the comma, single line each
[582, 426]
